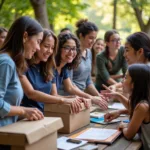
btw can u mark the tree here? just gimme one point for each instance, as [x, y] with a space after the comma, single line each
[114, 14]
[142, 16]
[40, 12]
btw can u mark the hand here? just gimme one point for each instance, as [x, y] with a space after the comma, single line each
[87, 102]
[122, 126]
[32, 113]
[110, 93]
[75, 104]
[112, 115]
[101, 101]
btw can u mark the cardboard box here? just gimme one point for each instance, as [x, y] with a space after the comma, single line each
[32, 135]
[71, 121]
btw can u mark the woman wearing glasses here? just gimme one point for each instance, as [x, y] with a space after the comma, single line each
[68, 58]
[110, 64]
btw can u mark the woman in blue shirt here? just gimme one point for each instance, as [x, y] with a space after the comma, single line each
[16, 47]
[37, 82]
[67, 58]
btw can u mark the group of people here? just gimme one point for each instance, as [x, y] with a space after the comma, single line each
[34, 64]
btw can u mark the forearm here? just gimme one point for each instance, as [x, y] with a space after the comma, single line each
[111, 81]
[74, 90]
[118, 76]
[16, 111]
[43, 97]
[92, 90]
[123, 111]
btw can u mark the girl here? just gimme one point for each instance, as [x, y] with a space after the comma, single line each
[137, 84]
[67, 58]
[37, 82]
[97, 47]
[111, 61]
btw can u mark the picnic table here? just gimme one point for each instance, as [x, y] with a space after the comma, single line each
[119, 144]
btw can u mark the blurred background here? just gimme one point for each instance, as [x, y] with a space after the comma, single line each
[127, 16]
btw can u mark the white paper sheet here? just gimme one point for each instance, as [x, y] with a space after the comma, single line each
[96, 134]
[63, 145]
[116, 106]
[96, 114]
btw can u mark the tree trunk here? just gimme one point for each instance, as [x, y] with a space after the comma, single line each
[40, 12]
[114, 14]
[145, 27]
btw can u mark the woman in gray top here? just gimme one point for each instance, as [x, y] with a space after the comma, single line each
[86, 32]
[110, 62]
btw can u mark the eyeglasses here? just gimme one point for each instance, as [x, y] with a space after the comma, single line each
[69, 49]
[116, 40]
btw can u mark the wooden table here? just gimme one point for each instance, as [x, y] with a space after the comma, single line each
[119, 144]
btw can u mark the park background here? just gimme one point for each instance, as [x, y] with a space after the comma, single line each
[127, 16]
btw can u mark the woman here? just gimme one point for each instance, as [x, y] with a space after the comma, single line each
[137, 85]
[3, 34]
[137, 50]
[81, 76]
[37, 82]
[97, 47]
[22, 41]
[68, 58]
[111, 61]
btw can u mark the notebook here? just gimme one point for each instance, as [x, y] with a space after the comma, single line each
[101, 121]
[98, 135]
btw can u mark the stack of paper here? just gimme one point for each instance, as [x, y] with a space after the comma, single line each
[116, 106]
[96, 114]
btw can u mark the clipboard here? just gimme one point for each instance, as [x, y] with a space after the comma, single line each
[107, 141]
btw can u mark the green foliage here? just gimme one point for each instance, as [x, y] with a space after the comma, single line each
[67, 10]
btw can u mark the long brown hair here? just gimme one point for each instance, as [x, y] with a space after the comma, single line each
[46, 68]
[13, 43]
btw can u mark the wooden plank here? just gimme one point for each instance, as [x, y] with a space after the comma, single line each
[135, 145]
[119, 144]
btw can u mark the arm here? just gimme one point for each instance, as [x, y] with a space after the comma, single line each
[118, 76]
[92, 90]
[76, 91]
[5, 108]
[140, 113]
[114, 114]
[37, 95]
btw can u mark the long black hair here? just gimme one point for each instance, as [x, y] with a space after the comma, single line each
[140, 76]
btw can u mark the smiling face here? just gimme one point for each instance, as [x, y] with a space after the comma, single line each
[68, 51]
[130, 54]
[88, 40]
[46, 49]
[32, 44]
[98, 46]
[127, 83]
[114, 42]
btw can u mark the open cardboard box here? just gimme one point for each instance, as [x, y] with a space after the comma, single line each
[31, 135]
[71, 121]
